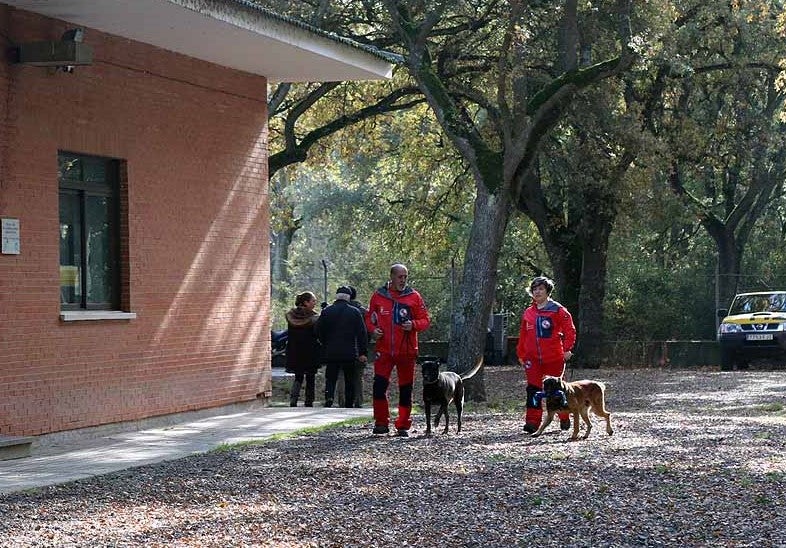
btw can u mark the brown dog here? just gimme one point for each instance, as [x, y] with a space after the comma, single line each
[580, 397]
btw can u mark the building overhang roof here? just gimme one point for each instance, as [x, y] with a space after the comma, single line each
[232, 33]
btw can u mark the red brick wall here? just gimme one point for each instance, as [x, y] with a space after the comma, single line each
[193, 137]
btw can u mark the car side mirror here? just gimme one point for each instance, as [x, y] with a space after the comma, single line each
[723, 312]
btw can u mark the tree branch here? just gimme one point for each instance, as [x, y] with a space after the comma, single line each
[295, 151]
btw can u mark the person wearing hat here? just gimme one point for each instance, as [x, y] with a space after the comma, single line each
[546, 341]
[357, 377]
[342, 332]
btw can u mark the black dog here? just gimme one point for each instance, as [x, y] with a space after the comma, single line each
[441, 389]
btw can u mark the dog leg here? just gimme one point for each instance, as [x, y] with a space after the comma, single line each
[600, 410]
[575, 435]
[586, 419]
[439, 415]
[544, 424]
[427, 407]
[444, 410]
[459, 402]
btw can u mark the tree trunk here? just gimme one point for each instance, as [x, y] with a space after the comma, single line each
[279, 261]
[728, 266]
[478, 286]
[591, 297]
[565, 253]
[577, 242]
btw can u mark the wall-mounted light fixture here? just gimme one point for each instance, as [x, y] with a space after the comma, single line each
[65, 54]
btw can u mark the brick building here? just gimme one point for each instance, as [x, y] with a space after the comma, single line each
[134, 274]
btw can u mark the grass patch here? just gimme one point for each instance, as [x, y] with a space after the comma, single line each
[309, 430]
[494, 405]
[777, 477]
[763, 500]
[770, 408]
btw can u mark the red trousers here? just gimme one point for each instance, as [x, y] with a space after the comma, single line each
[535, 372]
[405, 371]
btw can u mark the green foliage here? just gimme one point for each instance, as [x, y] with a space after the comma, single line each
[394, 188]
[392, 199]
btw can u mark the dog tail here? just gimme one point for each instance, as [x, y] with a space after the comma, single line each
[474, 370]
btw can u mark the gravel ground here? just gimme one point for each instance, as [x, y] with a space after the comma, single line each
[697, 459]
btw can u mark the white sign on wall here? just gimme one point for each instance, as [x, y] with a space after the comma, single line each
[10, 234]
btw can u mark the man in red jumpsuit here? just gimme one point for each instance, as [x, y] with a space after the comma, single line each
[545, 343]
[395, 315]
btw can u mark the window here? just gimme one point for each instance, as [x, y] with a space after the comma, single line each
[89, 232]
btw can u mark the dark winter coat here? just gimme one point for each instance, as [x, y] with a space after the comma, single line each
[303, 350]
[342, 332]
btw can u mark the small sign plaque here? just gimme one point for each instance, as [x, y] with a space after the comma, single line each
[10, 235]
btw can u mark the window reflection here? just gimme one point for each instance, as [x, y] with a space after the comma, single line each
[89, 236]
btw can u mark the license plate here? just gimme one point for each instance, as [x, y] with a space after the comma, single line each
[758, 337]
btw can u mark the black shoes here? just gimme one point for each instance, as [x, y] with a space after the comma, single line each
[380, 430]
[530, 428]
[328, 403]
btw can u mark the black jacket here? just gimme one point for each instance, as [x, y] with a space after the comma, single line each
[342, 332]
[302, 345]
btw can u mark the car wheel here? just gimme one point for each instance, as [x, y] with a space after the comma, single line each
[727, 360]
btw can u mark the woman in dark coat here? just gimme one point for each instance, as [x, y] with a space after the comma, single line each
[303, 350]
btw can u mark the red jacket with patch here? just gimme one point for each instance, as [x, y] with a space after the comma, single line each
[387, 310]
[546, 334]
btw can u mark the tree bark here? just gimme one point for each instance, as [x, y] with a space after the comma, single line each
[478, 286]
[495, 168]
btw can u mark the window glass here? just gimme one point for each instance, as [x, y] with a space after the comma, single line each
[89, 232]
[70, 248]
[745, 304]
[100, 264]
[69, 167]
[94, 170]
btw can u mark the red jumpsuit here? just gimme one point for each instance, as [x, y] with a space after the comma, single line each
[545, 335]
[396, 347]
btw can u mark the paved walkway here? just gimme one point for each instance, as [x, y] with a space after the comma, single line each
[81, 456]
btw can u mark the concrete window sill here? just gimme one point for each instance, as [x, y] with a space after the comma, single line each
[84, 315]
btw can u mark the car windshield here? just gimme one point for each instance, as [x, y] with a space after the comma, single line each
[746, 304]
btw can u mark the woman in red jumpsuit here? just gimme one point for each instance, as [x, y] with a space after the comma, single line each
[546, 342]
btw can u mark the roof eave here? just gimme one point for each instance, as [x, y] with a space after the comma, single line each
[232, 33]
